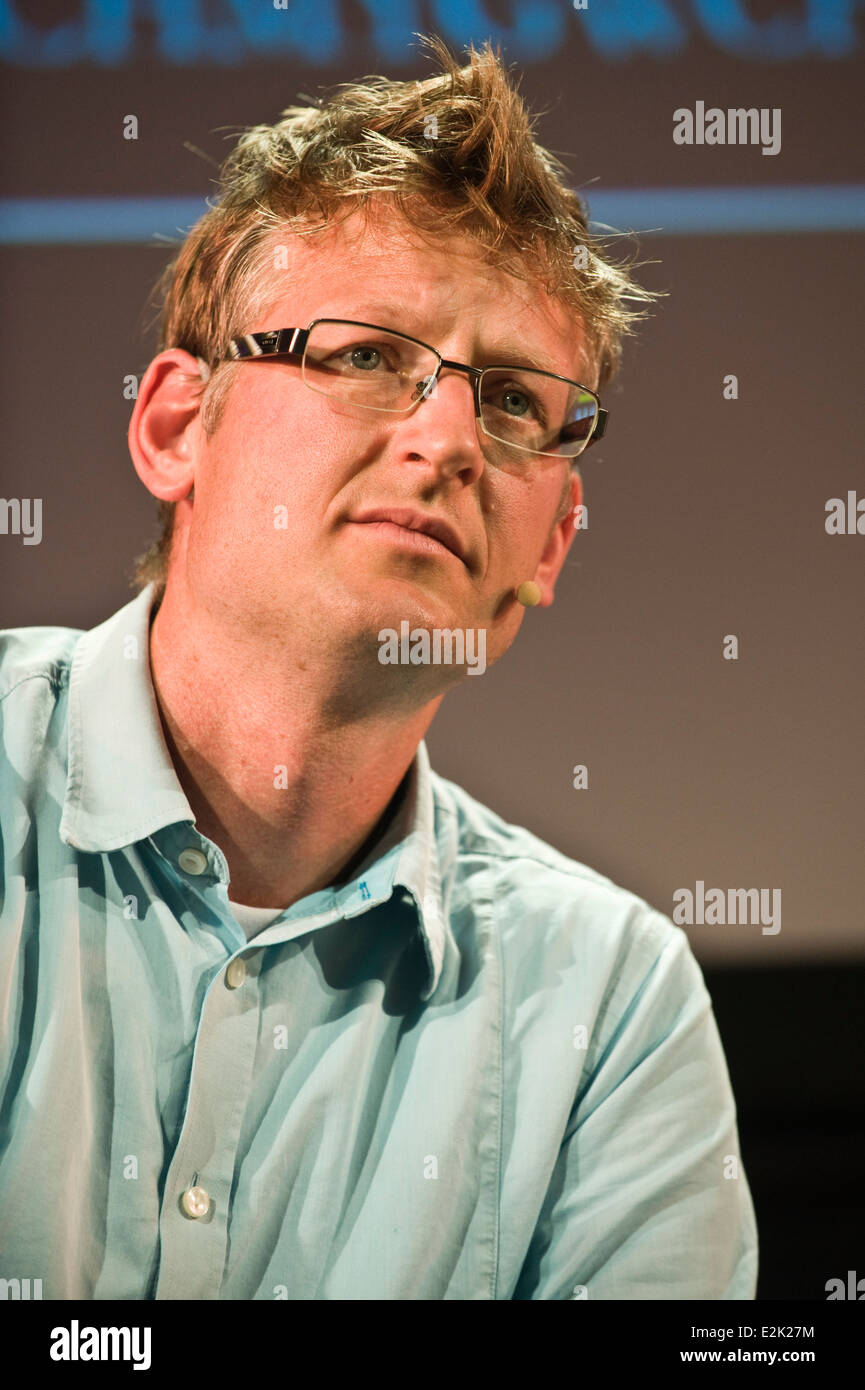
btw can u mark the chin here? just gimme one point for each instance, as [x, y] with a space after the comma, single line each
[388, 601]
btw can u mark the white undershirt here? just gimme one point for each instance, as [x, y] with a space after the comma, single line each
[254, 919]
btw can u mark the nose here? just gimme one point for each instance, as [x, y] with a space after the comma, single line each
[444, 429]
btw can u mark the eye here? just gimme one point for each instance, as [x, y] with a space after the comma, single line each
[370, 359]
[516, 402]
[365, 357]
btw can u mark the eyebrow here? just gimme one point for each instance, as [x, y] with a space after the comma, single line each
[507, 354]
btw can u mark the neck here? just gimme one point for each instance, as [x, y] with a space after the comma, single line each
[294, 783]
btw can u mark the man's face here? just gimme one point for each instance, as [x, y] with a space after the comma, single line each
[315, 466]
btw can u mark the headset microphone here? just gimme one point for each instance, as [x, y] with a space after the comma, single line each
[528, 594]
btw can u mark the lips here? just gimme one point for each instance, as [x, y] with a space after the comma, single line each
[434, 526]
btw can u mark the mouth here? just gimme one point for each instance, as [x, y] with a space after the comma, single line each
[430, 534]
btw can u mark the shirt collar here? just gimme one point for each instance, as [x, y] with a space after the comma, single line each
[122, 786]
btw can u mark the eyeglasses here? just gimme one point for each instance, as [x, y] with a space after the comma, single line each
[521, 407]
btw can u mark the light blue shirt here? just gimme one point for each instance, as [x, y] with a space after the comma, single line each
[478, 1070]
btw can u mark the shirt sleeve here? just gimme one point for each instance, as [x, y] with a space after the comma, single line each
[648, 1197]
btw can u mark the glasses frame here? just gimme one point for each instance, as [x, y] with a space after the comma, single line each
[292, 342]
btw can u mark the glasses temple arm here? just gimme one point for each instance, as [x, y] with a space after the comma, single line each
[600, 427]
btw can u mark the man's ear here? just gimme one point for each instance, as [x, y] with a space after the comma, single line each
[561, 538]
[165, 429]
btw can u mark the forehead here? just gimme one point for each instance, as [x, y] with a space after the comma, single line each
[374, 264]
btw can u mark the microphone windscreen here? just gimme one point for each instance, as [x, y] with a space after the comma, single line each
[528, 594]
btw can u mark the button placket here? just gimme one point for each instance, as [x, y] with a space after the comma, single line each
[195, 1215]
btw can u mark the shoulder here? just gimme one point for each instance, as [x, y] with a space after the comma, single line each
[36, 654]
[575, 949]
[544, 903]
[34, 677]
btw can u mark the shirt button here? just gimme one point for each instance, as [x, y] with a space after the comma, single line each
[196, 1202]
[236, 973]
[192, 861]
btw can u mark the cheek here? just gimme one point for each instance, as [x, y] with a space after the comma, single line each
[520, 523]
[254, 459]
[271, 473]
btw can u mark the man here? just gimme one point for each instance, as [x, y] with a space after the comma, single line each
[287, 1015]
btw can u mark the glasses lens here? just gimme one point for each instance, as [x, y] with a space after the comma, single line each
[538, 412]
[366, 366]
